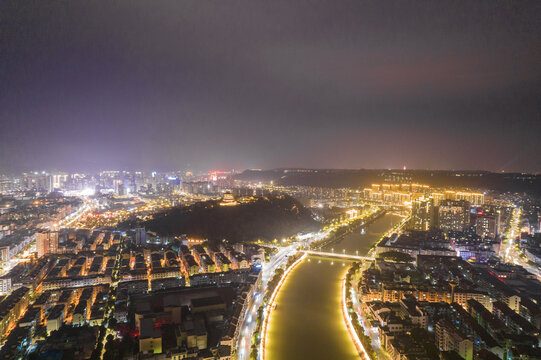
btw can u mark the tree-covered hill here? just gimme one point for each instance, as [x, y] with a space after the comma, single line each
[264, 218]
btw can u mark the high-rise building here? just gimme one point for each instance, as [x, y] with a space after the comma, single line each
[454, 215]
[140, 236]
[487, 224]
[449, 195]
[472, 198]
[438, 198]
[46, 242]
[449, 338]
[422, 214]
[42, 183]
[58, 181]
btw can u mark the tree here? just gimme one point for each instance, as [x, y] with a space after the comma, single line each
[113, 323]
[396, 256]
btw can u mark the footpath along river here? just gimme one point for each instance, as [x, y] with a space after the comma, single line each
[307, 321]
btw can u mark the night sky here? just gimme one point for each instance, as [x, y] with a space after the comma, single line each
[241, 84]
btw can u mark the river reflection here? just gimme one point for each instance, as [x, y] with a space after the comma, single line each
[361, 243]
[307, 321]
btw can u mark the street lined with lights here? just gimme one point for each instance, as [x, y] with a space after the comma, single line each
[349, 325]
[267, 313]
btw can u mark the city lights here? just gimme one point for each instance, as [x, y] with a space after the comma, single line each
[270, 305]
[349, 325]
[256, 180]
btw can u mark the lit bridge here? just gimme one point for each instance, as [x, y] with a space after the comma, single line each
[337, 255]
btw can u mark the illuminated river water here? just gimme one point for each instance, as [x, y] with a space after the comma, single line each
[307, 321]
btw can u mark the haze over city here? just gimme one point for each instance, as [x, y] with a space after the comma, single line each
[270, 180]
[238, 84]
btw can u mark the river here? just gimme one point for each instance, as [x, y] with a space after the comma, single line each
[307, 321]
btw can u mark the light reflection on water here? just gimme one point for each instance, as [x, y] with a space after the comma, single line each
[307, 321]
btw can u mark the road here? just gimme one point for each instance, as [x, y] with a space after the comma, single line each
[108, 314]
[308, 321]
[88, 205]
[277, 260]
[372, 332]
[510, 251]
[31, 248]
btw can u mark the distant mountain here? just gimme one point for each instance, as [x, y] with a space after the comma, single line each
[264, 218]
[359, 178]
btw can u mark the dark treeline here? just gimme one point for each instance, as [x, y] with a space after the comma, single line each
[265, 218]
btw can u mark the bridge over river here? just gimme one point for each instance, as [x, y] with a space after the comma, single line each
[307, 322]
[337, 255]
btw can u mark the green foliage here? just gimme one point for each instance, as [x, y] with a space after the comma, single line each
[112, 322]
[111, 350]
[273, 282]
[265, 218]
[292, 259]
[396, 256]
[256, 336]
[356, 321]
[269, 252]
[253, 352]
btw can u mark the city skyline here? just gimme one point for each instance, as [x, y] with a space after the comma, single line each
[88, 87]
[270, 180]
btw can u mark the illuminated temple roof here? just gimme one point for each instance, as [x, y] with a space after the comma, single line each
[228, 200]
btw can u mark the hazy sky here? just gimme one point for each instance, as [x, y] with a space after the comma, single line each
[236, 84]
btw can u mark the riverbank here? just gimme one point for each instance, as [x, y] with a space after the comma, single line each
[308, 322]
[340, 233]
[349, 323]
[267, 312]
[394, 229]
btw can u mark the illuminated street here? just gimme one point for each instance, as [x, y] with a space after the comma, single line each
[270, 180]
[276, 261]
[307, 321]
[510, 251]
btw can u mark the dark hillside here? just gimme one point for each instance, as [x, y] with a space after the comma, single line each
[266, 218]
